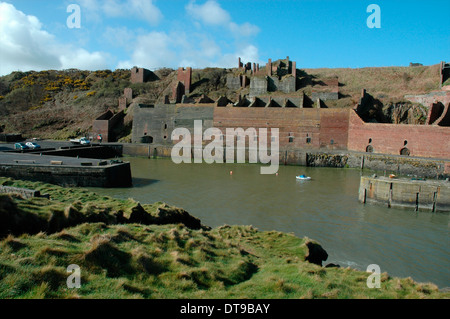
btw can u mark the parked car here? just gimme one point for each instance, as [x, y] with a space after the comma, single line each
[33, 145]
[20, 146]
[82, 141]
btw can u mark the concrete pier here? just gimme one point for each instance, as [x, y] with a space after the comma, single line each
[65, 171]
[417, 195]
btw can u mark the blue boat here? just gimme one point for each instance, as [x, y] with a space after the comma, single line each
[303, 177]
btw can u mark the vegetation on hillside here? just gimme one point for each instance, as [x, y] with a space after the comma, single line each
[167, 254]
[64, 104]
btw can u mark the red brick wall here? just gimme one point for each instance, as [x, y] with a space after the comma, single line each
[334, 128]
[101, 127]
[122, 103]
[185, 77]
[128, 93]
[320, 125]
[137, 75]
[423, 140]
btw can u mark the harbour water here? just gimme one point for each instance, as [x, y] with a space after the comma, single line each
[403, 243]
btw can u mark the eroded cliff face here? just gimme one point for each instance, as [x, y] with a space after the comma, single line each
[404, 113]
[394, 112]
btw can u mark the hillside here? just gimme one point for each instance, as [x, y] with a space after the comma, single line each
[63, 104]
[128, 250]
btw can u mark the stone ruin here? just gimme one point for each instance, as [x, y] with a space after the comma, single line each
[444, 72]
[106, 123]
[140, 75]
[278, 76]
[274, 77]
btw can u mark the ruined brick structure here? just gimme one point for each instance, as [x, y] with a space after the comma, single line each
[128, 94]
[122, 103]
[327, 90]
[279, 76]
[140, 75]
[105, 125]
[303, 123]
[414, 140]
[439, 114]
[183, 86]
[444, 72]
[126, 99]
[299, 127]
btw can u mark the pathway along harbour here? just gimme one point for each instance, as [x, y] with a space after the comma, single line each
[403, 243]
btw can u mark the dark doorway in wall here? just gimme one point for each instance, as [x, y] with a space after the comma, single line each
[405, 151]
[147, 139]
[369, 148]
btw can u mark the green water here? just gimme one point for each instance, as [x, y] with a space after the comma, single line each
[403, 243]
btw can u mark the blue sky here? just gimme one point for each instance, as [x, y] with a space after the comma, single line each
[212, 33]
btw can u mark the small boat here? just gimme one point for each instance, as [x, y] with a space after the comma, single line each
[303, 177]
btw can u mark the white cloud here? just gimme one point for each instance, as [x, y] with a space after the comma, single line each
[153, 50]
[245, 30]
[212, 14]
[119, 36]
[25, 45]
[21, 39]
[143, 10]
[159, 49]
[83, 60]
[249, 53]
[209, 13]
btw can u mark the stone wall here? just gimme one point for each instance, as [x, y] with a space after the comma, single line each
[155, 124]
[233, 82]
[286, 84]
[258, 86]
[430, 98]
[9, 138]
[324, 96]
[261, 85]
[416, 195]
[328, 89]
[118, 175]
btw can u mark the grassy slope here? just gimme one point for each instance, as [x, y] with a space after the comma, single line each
[64, 104]
[385, 83]
[170, 260]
